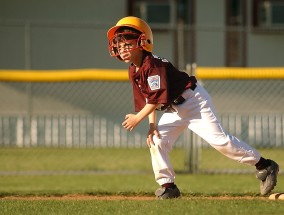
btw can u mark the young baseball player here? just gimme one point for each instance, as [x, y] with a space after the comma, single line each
[158, 85]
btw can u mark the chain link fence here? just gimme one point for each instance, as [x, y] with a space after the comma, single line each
[69, 114]
[90, 113]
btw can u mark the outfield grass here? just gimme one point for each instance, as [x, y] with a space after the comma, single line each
[112, 159]
[126, 172]
[181, 206]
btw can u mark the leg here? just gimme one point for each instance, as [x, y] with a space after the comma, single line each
[203, 121]
[267, 170]
[170, 126]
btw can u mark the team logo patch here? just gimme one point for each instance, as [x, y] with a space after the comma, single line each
[154, 82]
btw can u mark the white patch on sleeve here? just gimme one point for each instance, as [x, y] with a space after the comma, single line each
[154, 82]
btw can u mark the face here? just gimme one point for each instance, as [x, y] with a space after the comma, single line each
[127, 50]
[125, 46]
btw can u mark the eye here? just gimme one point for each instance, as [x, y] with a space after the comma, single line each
[124, 45]
[128, 45]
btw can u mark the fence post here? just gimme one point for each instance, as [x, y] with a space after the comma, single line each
[191, 146]
[192, 153]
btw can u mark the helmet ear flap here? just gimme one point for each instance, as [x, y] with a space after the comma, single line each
[145, 42]
[142, 40]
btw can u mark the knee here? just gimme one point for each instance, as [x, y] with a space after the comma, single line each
[161, 143]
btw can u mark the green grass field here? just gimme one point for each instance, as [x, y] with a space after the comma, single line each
[120, 181]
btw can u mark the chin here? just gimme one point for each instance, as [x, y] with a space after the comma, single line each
[126, 61]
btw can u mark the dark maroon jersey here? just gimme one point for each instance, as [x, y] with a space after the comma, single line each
[157, 82]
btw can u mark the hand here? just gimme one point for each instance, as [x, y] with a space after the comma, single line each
[152, 131]
[130, 122]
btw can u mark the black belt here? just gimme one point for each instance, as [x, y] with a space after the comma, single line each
[193, 87]
[179, 100]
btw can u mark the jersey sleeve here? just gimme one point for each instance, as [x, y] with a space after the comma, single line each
[157, 86]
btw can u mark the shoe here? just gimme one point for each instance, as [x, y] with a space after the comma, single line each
[167, 193]
[268, 177]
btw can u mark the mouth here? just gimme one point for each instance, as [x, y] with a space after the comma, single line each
[125, 56]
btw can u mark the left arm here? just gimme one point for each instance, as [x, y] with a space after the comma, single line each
[152, 129]
[132, 120]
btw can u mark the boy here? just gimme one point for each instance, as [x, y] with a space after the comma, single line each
[158, 85]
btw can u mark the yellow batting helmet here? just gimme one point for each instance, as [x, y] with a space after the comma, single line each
[138, 24]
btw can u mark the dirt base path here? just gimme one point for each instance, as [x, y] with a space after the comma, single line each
[117, 197]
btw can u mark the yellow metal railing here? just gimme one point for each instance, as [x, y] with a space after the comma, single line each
[121, 75]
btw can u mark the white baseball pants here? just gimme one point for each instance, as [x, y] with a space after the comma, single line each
[196, 113]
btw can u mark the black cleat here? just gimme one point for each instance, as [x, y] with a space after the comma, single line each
[268, 177]
[168, 193]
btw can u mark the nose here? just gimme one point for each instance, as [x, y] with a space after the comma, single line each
[122, 47]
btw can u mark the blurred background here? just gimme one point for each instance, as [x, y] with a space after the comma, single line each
[71, 34]
[64, 34]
